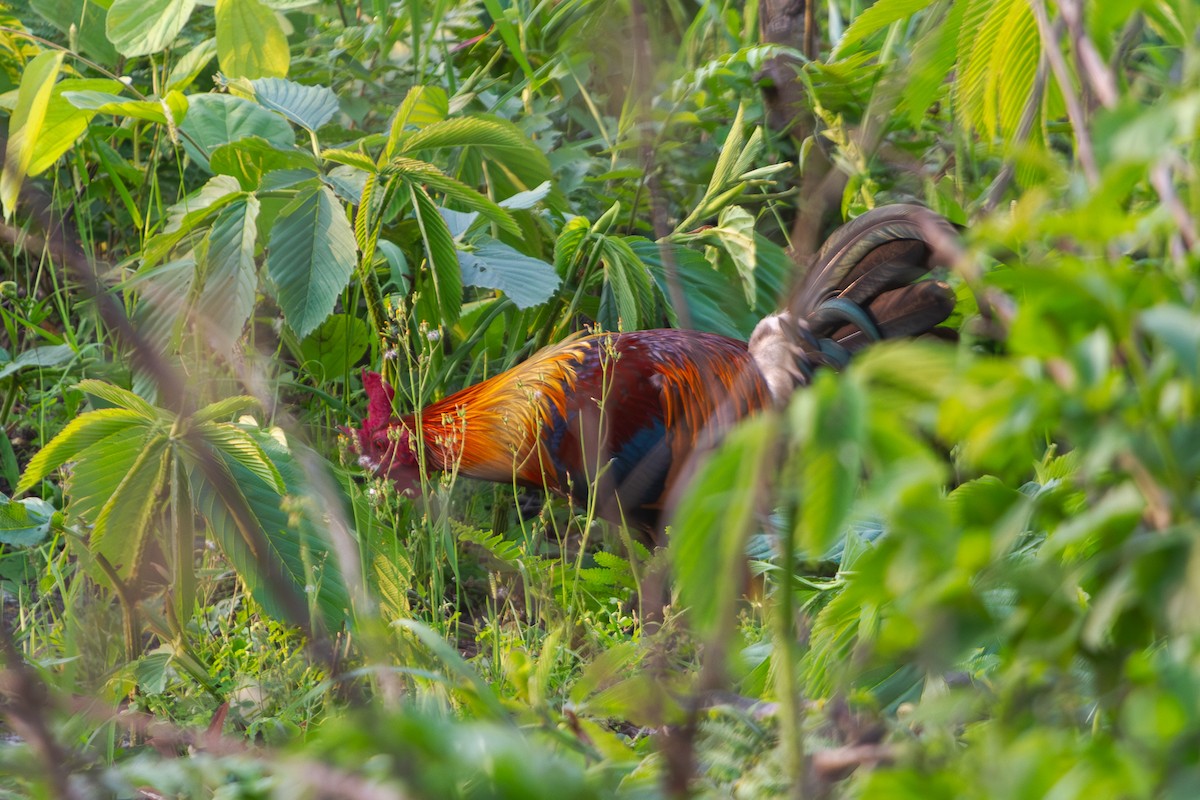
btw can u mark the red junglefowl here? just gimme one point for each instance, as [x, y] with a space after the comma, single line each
[620, 414]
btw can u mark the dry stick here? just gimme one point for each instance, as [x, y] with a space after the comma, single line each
[1024, 128]
[1088, 62]
[1160, 179]
[1075, 110]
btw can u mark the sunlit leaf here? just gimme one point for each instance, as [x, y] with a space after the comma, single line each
[250, 40]
[25, 124]
[139, 28]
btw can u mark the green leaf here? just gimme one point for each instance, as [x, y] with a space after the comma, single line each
[150, 110]
[527, 199]
[709, 303]
[312, 256]
[350, 159]
[567, 246]
[222, 410]
[252, 158]
[230, 273]
[25, 124]
[295, 545]
[310, 107]
[217, 119]
[79, 434]
[120, 530]
[190, 64]
[449, 657]
[831, 418]
[121, 398]
[336, 345]
[99, 469]
[526, 280]
[145, 27]
[52, 356]
[434, 178]
[509, 33]
[422, 106]
[933, 58]
[250, 40]
[64, 123]
[735, 232]
[188, 217]
[713, 519]
[235, 444]
[440, 255]
[466, 132]
[26, 522]
[66, 16]
[876, 18]
[1175, 326]
[629, 291]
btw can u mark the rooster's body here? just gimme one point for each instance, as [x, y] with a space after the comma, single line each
[617, 417]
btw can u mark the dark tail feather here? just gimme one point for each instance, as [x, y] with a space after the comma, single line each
[911, 310]
[864, 285]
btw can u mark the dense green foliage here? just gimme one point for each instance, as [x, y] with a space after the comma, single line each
[973, 568]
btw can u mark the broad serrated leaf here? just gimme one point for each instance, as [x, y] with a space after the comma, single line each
[295, 548]
[99, 469]
[120, 530]
[570, 240]
[440, 254]
[121, 398]
[1017, 64]
[230, 272]
[143, 27]
[465, 132]
[875, 18]
[250, 40]
[422, 107]
[351, 159]
[312, 256]
[217, 119]
[235, 444]
[25, 124]
[310, 107]
[250, 159]
[79, 434]
[432, 177]
[526, 280]
[222, 410]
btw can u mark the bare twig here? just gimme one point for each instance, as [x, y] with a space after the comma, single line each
[1029, 116]
[1075, 109]
[1160, 179]
[1091, 67]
